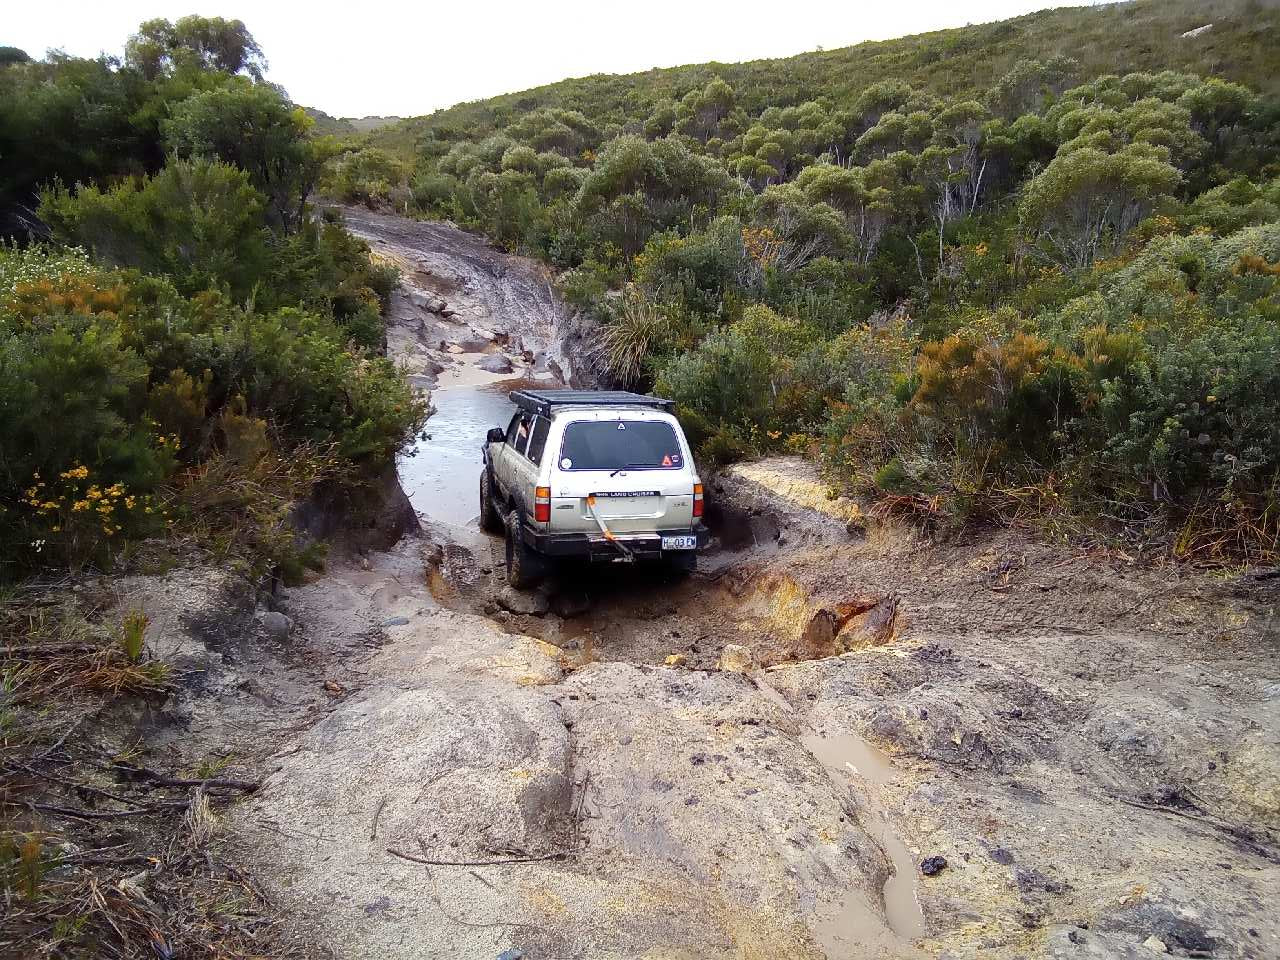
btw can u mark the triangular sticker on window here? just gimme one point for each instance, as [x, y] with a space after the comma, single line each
[666, 461]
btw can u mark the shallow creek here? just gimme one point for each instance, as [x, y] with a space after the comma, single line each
[441, 474]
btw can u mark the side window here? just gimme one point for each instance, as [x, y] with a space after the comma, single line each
[538, 440]
[519, 429]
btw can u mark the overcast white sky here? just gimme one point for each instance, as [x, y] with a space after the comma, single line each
[362, 57]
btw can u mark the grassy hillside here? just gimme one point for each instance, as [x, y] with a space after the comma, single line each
[1117, 38]
[326, 125]
[368, 124]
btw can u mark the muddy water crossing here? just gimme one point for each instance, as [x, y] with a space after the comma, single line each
[441, 475]
[854, 764]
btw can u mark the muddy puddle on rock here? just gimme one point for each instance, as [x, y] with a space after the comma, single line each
[847, 756]
[854, 764]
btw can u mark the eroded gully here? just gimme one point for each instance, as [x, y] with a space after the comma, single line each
[440, 477]
[581, 773]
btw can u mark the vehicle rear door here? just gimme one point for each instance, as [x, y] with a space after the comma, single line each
[507, 454]
[637, 470]
[525, 463]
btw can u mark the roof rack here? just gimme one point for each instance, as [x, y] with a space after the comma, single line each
[544, 401]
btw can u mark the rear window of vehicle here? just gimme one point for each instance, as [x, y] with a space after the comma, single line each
[538, 439]
[614, 444]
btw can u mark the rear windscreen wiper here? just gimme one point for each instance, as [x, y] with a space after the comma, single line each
[632, 466]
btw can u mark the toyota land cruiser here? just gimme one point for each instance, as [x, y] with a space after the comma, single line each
[601, 474]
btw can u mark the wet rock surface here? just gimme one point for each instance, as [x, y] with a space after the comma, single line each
[459, 292]
[1090, 792]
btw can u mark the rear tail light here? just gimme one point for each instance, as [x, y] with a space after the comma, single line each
[542, 504]
[697, 499]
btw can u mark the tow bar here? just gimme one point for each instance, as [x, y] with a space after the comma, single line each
[627, 556]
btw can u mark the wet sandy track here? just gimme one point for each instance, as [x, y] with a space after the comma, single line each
[1091, 747]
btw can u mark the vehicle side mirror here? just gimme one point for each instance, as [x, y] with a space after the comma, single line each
[495, 435]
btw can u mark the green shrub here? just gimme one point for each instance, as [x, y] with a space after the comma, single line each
[368, 175]
[894, 478]
[200, 222]
[631, 340]
[114, 385]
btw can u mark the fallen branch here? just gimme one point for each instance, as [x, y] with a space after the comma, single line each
[160, 780]
[431, 862]
[103, 814]
[73, 785]
[1259, 846]
[61, 740]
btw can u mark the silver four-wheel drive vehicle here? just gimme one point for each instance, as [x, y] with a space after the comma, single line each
[601, 474]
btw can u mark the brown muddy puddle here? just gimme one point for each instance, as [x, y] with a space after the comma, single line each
[847, 756]
[853, 763]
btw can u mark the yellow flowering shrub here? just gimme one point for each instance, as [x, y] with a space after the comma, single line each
[72, 516]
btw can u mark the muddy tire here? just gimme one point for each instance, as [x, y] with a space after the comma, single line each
[524, 567]
[682, 563]
[490, 516]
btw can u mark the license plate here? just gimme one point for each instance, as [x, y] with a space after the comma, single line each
[679, 543]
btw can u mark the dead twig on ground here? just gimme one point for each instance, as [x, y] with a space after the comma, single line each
[61, 740]
[56, 650]
[152, 778]
[432, 862]
[576, 830]
[104, 814]
[1244, 838]
[481, 925]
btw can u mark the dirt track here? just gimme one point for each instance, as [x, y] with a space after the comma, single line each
[1091, 746]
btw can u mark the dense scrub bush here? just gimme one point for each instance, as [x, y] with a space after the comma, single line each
[370, 176]
[204, 225]
[216, 356]
[953, 297]
[990, 270]
[1041, 289]
[112, 381]
[200, 222]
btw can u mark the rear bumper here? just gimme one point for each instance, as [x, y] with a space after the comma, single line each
[644, 545]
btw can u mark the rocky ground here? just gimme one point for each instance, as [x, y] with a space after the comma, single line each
[751, 763]
[465, 309]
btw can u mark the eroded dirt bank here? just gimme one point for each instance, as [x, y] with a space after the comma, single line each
[731, 766]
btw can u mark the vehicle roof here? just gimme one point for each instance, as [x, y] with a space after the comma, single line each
[548, 402]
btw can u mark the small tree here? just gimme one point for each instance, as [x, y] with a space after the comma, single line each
[253, 127]
[200, 222]
[205, 43]
[1086, 200]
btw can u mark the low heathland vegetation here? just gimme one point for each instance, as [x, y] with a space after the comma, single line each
[1001, 275]
[189, 349]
